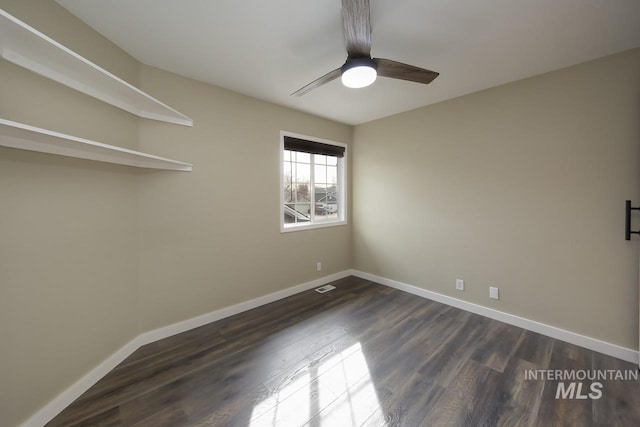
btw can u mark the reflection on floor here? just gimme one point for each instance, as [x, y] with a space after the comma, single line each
[341, 384]
[360, 355]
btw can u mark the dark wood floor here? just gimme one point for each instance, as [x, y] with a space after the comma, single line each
[362, 354]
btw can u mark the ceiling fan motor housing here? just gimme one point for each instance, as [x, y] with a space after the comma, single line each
[359, 61]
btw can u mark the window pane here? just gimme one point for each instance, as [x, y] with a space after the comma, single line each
[302, 193]
[288, 193]
[320, 159]
[303, 157]
[332, 194]
[331, 204]
[332, 160]
[303, 173]
[294, 213]
[332, 175]
[304, 212]
[320, 192]
[286, 169]
[289, 213]
[287, 155]
[320, 174]
[321, 213]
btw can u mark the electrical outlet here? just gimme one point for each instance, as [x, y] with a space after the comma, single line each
[319, 266]
[460, 284]
[494, 293]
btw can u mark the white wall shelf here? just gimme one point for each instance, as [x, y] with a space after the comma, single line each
[29, 48]
[26, 137]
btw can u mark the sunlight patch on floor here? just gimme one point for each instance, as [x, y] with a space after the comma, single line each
[288, 407]
[337, 391]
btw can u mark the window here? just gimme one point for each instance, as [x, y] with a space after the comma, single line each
[313, 182]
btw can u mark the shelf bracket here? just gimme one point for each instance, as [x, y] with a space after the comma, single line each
[627, 222]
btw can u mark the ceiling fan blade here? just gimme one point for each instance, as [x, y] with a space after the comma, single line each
[398, 70]
[318, 82]
[356, 21]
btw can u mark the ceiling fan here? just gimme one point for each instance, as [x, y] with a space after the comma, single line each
[360, 69]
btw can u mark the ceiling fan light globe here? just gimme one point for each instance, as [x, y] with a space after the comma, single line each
[360, 76]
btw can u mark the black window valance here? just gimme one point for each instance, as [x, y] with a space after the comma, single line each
[297, 144]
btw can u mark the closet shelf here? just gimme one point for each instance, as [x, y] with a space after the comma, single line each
[26, 137]
[29, 48]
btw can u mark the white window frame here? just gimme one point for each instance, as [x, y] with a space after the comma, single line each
[342, 186]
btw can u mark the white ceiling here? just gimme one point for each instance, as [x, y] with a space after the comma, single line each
[269, 49]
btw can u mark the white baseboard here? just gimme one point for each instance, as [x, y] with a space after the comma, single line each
[64, 399]
[594, 344]
[185, 325]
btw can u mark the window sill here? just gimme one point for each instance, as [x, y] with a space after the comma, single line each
[291, 228]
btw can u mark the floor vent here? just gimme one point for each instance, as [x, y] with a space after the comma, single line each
[325, 288]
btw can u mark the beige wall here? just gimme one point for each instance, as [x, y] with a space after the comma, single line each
[521, 187]
[94, 254]
[211, 238]
[68, 242]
